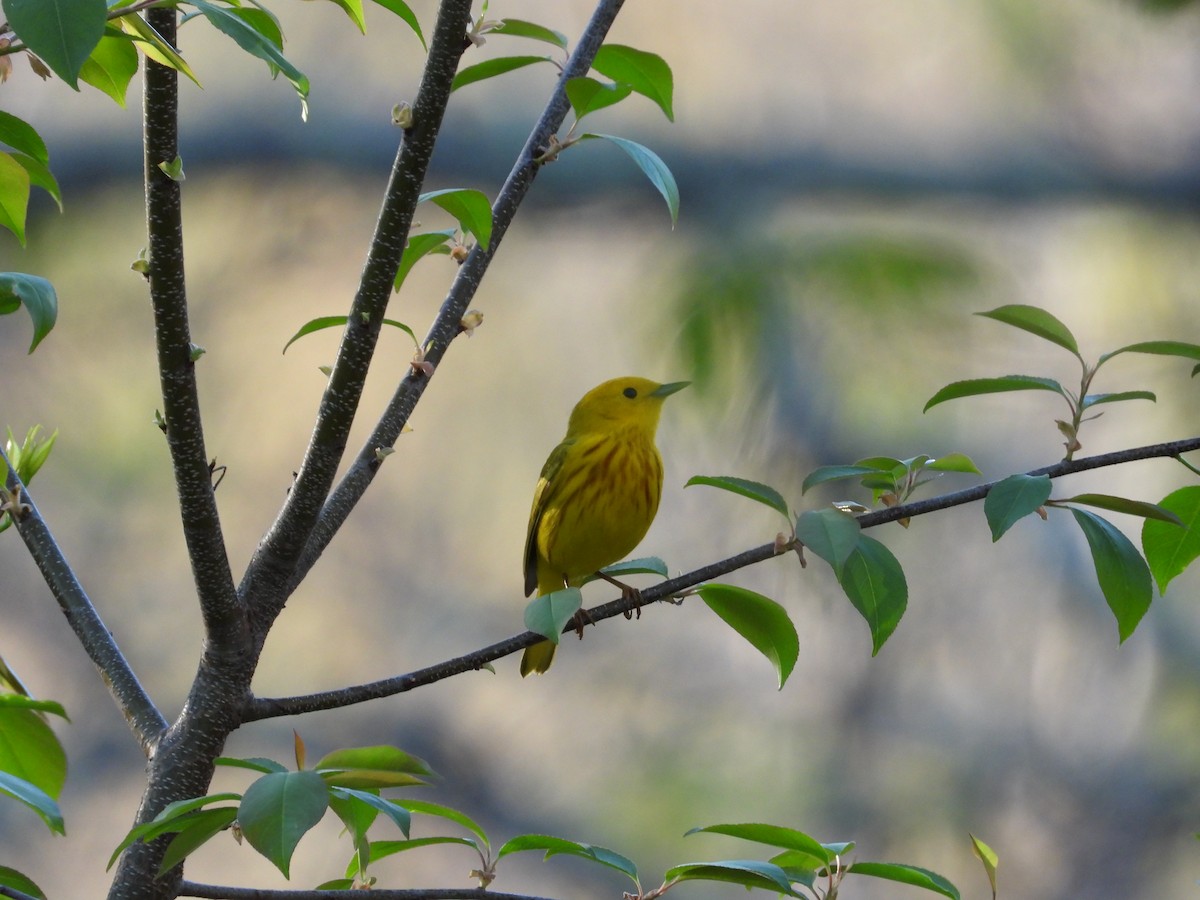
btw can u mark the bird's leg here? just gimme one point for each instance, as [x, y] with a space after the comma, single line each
[580, 619]
[628, 592]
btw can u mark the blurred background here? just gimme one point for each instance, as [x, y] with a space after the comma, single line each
[857, 179]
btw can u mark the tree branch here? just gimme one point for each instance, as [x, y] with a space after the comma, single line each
[144, 719]
[271, 571]
[262, 708]
[220, 892]
[446, 325]
[176, 353]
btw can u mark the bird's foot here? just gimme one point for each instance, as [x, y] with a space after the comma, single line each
[580, 619]
[628, 593]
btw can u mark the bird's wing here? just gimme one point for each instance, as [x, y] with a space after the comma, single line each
[540, 496]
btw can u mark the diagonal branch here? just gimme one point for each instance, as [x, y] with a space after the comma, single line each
[446, 325]
[272, 569]
[144, 719]
[177, 354]
[262, 708]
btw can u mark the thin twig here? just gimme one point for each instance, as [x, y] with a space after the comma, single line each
[446, 326]
[262, 708]
[144, 719]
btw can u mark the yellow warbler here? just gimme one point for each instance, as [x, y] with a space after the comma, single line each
[598, 492]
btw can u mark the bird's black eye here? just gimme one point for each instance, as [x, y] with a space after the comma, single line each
[630, 392]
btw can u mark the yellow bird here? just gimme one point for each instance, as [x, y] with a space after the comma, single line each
[597, 494]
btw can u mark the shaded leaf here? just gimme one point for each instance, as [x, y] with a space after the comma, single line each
[1158, 348]
[923, 878]
[763, 493]
[1170, 549]
[1097, 399]
[372, 767]
[11, 878]
[773, 836]
[549, 614]
[874, 581]
[378, 850]
[1123, 575]
[646, 73]
[760, 620]
[651, 165]
[62, 32]
[445, 812]
[14, 196]
[323, 322]
[1012, 499]
[394, 811]
[493, 67]
[645, 565]
[35, 798]
[29, 749]
[1124, 505]
[1035, 321]
[22, 137]
[954, 462]
[976, 386]
[197, 829]
[750, 873]
[586, 95]
[829, 533]
[521, 28]
[556, 845]
[254, 763]
[278, 809]
[835, 473]
[404, 11]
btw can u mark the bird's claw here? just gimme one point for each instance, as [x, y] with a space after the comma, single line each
[580, 619]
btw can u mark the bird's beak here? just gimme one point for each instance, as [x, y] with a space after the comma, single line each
[666, 390]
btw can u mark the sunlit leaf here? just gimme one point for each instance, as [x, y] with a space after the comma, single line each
[587, 95]
[521, 28]
[151, 43]
[760, 620]
[492, 67]
[988, 857]
[323, 322]
[771, 835]
[646, 73]
[11, 878]
[29, 749]
[954, 462]
[1035, 321]
[923, 878]
[750, 873]
[418, 247]
[1158, 348]
[471, 208]
[1096, 399]
[62, 33]
[196, 830]
[555, 846]
[14, 196]
[22, 137]
[1169, 548]
[404, 11]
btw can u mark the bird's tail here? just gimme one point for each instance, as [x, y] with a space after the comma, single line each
[538, 658]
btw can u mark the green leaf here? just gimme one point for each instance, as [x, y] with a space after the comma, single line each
[555, 846]
[1170, 549]
[651, 165]
[471, 208]
[424, 808]
[646, 73]
[764, 494]
[975, 386]
[645, 565]
[278, 809]
[548, 614]
[257, 44]
[1124, 505]
[354, 9]
[587, 95]
[1012, 499]
[174, 817]
[1096, 399]
[22, 137]
[372, 767]
[35, 798]
[11, 878]
[111, 66]
[750, 873]
[419, 246]
[378, 850]
[336, 321]
[1158, 348]
[62, 32]
[954, 462]
[254, 763]
[197, 828]
[29, 749]
[491, 68]
[398, 814]
[40, 176]
[1123, 575]
[831, 534]
[404, 11]
[521, 28]
[14, 196]
[38, 297]
[922, 878]
[874, 581]
[835, 473]
[773, 836]
[151, 43]
[760, 620]
[988, 857]
[1035, 321]
[20, 701]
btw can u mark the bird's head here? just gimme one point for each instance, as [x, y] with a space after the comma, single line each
[628, 402]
